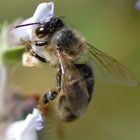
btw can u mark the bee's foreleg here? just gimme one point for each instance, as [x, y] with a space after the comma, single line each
[37, 56]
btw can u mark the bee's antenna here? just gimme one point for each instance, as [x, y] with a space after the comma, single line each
[22, 25]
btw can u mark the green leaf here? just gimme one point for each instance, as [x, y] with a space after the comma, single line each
[13, 55]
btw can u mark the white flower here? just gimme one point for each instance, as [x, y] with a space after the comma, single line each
[137, 5]
[26, 129]
[43, 13]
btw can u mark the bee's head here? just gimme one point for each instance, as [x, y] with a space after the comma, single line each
[50, 27]
[45, 28]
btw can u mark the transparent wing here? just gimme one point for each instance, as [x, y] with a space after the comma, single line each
[66, 65]
[71, 74]
[110, 68]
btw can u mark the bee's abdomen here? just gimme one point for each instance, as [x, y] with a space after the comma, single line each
[74, 99]
[87, 72]
[65, 113]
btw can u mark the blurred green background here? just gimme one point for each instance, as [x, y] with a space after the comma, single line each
[113, 26]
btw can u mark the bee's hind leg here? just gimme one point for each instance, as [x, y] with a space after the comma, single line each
[47, 97]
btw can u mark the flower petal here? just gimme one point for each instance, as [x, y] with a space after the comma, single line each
[43, 12]
[27, 129]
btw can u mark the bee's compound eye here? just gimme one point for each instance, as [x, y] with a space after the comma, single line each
[40, 31]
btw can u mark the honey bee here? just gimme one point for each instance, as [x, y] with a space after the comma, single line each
[63, 47]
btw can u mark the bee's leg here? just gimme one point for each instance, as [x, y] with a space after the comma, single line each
[58, 78]
[37, 56]
[47, 97]
[52, 94]
[41, 43]
[30, 58]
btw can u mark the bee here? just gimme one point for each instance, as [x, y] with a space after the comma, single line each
[63, 47]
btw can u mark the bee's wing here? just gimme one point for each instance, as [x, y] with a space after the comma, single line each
[110, 68]
[66, 65]
[71, 77]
